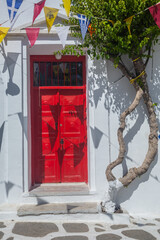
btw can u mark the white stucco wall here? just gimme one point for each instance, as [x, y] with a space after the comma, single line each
[106, 100]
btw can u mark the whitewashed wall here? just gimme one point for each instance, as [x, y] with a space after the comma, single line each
[106, 100]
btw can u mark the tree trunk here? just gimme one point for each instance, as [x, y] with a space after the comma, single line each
[109, 202]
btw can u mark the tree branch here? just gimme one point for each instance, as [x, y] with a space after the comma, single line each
[123, 69]
[153, 136]
[109, 174]
[146, 62]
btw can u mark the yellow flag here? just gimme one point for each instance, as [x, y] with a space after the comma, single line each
[50, 15]
[3, 33]
[128, 22]
[67, 6]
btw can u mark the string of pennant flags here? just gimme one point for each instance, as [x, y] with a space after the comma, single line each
[62, 31]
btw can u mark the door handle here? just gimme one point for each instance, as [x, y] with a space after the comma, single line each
[56, 125]
[61, 142]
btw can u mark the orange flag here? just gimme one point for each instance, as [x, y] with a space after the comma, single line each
[91, 30]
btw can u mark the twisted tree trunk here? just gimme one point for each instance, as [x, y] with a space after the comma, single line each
[108, 205]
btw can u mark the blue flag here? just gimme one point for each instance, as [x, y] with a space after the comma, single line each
[84, 23]
[13, 6]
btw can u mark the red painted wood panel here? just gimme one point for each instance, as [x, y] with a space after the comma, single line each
[73, 134]
[46, 136]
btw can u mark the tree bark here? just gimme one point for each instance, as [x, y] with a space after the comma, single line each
[153, 136]
[122, 150]
[109, 202]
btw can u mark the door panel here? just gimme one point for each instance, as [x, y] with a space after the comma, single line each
[47, 137]
[73, 133]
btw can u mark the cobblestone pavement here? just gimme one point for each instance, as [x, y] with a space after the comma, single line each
[139, 229]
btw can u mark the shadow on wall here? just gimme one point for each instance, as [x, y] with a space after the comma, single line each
[118, 96]
[97, 82]
[1, 134]
[12, 88]
[10, 62]
[97, 87]
[96, 136]
[23, 121]
[9, 185]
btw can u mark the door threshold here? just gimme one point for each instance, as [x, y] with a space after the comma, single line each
[59, 189]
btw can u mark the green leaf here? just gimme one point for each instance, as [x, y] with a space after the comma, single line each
[155, 104]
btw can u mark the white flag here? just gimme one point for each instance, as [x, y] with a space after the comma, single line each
[63, 33]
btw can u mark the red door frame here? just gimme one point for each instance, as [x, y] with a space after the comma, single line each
[48, 58]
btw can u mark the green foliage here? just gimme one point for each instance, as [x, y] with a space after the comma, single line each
[155, 104]
[113, 40]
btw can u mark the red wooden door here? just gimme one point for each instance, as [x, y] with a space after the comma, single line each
[58, 120]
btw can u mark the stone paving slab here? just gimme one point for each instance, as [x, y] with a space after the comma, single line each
[71, 238]
[138, 234]
[1, 235]
[75, 227]
[2, 225]
[138, 229]
[32, 229]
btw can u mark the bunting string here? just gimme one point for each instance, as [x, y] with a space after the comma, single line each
[51, 13]
[124, 20]
[92, 16]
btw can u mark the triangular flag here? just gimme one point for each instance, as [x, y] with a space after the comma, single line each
[155, 12]
[32, 34]
[67, 6]
[84, 23]
[63, 33]
[91, 30]
[13, 6]
[128, 22]
[50, 15]
[37, 9]
[3, 33]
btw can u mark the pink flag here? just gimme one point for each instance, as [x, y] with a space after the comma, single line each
[155, 12]
[32, 34]
[38, 8]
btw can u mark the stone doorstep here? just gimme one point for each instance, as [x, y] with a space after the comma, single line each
[57, 208]
[59, 189]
